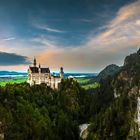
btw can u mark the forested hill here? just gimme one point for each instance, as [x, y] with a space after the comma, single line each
[109, 70]
[118, 120]
[128, 79]
[41, 113]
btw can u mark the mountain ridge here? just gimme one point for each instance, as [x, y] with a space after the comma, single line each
[128, 79]
[109, 70]
[11, 73]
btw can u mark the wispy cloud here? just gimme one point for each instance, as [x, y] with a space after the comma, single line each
[86, 20]
[122, 31]
[7, 59]
[8, 39]
[120, 38]
[114, 41]
[49, 29]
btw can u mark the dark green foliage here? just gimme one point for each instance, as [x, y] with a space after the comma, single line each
[115, 120]
[109, 70]
[114, 123]
[41, 113]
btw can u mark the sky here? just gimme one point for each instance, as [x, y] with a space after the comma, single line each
[79, 35]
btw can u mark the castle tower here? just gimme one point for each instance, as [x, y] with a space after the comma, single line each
[49, 73]
[61, 73]
[39, 66]
[39, 70]
[34, 63]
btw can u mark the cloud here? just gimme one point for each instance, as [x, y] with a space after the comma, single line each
[47, 28]
[9, 39]
[86, 20]
[7, 59]
[122, 32]
[114, 41]
[120, 38]
[20, 68]
[138, 22]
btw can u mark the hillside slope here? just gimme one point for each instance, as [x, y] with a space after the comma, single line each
[128, 79]
[109, 70]
[118, 120]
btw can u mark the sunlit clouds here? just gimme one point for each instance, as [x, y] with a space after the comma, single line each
[120, 38]
[112, 41]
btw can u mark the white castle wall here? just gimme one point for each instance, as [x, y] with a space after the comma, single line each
[38, 78]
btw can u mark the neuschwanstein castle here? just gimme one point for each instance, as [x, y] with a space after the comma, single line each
[38, 75]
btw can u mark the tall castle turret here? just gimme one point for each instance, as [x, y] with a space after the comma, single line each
[39, 68]
[34, 63]
[61, 73]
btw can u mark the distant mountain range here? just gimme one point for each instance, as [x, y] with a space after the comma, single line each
[4, 73]
[81, 75]
[109, 70]
[76, 75]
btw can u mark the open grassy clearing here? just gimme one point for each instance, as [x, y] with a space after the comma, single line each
[89, 86]
[84, 82]
[17, 80]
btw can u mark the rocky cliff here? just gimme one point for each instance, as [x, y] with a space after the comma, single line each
[128, 79]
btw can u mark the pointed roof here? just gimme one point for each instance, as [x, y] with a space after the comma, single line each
[34, 62]
[36, 70]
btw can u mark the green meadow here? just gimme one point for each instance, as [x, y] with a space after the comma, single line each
[89, 86]
[16, 80]
[82, 80]
[86, 84]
